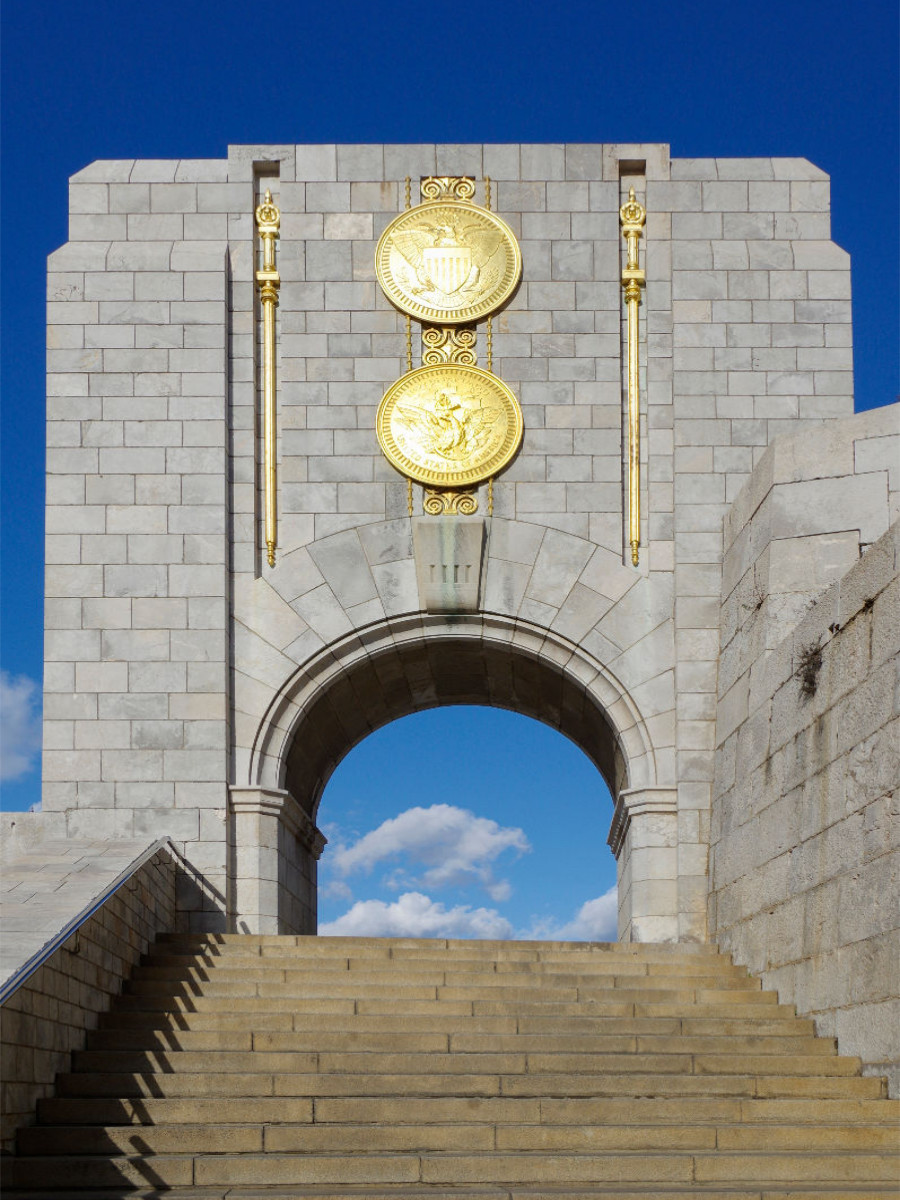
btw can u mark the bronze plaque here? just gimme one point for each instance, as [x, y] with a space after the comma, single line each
[449, 426]
[448, 262]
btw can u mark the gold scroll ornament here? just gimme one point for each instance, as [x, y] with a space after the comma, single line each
[449, 425]
[268, 219]
[632, 216]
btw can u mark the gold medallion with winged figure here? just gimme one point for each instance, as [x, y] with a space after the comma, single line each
[449, 426]
[448, 262]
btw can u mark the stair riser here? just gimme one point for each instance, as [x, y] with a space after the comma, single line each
[324, 1139]
[316, 946]
[536, 1062]
[134, 1024]
[458, 1043]
[280, 1170]
[632, 1084]
[414, 970]
[760, 1117]
[323, 1006]
[618, 991]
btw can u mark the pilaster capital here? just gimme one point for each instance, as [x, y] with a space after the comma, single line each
[638, 802]
[280, 806]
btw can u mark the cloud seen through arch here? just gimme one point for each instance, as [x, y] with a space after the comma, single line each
[443, 847]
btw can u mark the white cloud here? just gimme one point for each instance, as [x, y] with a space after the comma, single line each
[20, 725]
[595, 921]
[415, 915]
[450, 846]
[336, 889]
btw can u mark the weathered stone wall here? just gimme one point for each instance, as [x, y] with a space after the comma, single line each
[47, 1018]
[169, 641]
[804, 854]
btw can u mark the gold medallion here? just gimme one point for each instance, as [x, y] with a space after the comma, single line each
[448, 262]
[449, 426]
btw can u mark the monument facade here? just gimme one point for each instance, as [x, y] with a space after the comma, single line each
[316, 462]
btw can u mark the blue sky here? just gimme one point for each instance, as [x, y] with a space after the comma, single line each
[511, 841]
[108, 80]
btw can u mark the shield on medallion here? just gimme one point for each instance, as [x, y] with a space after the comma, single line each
[448, 267]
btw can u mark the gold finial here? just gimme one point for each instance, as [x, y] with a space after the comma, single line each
[632, 216]
[268, 216]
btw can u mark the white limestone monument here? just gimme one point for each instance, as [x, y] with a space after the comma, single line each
[339, 433]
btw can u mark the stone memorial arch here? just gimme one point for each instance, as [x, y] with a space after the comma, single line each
[246, 574]
[402, 666]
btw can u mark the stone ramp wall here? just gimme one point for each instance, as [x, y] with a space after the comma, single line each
[47, 1017]
[804, 858]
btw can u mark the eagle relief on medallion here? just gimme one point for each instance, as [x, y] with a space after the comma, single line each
[449, 425]
[448, 262]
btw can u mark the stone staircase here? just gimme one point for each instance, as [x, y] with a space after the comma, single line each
[243, 1066]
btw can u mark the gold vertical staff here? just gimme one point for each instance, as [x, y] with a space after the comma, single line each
[632, 216]
[268, 219]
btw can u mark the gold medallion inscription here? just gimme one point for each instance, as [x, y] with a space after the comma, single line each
[449, 426]
[448, 262]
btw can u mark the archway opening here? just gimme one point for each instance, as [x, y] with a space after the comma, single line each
[467, 821]
[395, 669]
[423, 673]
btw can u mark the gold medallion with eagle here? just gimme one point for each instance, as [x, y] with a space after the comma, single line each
[449, 426]
[448, 262]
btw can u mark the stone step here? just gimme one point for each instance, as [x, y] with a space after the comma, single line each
[414, 971]
[132, 1022]
[287, 1170]
[183, 1008]
[619, 990]
[625, 1083]
[322, 980]
[455, 1041]
[213, 981]
[466, 1110]
[158, 966]
[249, 1138]
[316, 946]
[508, 1062]
[400, 1191]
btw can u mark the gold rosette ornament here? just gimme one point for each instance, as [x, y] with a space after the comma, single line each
[449, 426]
[448, 262]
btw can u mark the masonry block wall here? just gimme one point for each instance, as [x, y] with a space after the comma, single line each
[804, 856]
[49, 1015]
[168, 639]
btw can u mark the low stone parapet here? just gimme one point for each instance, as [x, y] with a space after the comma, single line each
[76, 917]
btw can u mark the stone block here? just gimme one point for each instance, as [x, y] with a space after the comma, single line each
[449, 558]
[343, 564]
[543, 162]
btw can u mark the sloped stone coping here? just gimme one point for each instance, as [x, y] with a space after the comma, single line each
[42, 913]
